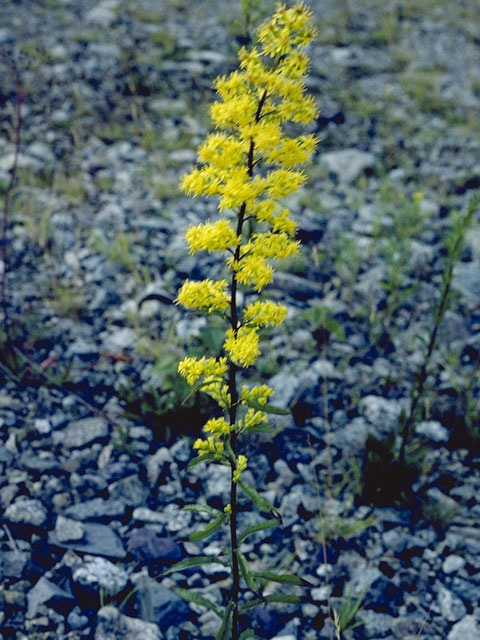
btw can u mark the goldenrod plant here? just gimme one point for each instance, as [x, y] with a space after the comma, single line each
[249, 163]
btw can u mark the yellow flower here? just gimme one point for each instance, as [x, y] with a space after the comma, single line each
[241, 465]
[217, 426]
[260, 393]
[209, 295]
[264, 313]
[243, 347]
[210, 445]
[211, 236]
[192, 369]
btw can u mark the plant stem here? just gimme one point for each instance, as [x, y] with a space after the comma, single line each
[6, 202]
[232, 385]
[421, 377]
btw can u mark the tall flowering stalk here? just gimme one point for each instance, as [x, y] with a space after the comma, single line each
[249, 163]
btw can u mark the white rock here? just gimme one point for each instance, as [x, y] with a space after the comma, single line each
[466, 629]
[452, 564]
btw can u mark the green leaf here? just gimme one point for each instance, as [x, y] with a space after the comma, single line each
[225, 631]
[209, 529]
[251, 604]
[260, 526]
[282, 578]
[248, 633]
[267, 408]
[246, 573]
[283, 597]
[274, 597]
[191, 596]
[205, 457]
[202, 508]
[189, 563]
[258, 501]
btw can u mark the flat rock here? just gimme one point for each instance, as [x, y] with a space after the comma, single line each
[81, 433]
[158, 604]
[68, 530]
[96, 509]
[112, 625]
[99, 540]
[466, 629]
[147, 546]
[347, 165]
[49, 594]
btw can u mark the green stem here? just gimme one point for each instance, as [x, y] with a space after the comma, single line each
[421, 377]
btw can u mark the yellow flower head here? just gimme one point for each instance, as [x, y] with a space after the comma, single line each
[243, 348]
[209, 295]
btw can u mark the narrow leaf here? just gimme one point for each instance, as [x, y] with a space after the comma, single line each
[267, 408]
[209, 529]
[282, 578]
[205, 457]
[249, 633]
[268, 524]
[225, 631]
[251, 604]
[189, 563]
[191, 596]
[202, 508]
[282, 597]
[246, 573]
[256, 498]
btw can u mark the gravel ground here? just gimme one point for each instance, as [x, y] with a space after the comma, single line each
[94, 438]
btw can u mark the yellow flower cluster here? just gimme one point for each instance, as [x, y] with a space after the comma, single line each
[262, 313]
[249, 163]
[242, 346]
[192, 369]
[209, 295]
[211, 236]
[210, 445]
[241, 465]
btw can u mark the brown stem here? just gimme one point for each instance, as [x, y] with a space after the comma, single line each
[6, 202]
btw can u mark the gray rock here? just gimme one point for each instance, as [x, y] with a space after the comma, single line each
[352, 437]
[147, 546]
[81, 433]
[451, 607]
[26, 512]
[120, 339]
[96, 509]
[99, 573]
[380, 412]
[68, 530]
[112, 625]
[48, 593]
[452, 564]
[76, 620]
[347, 165]
[377, 625]
[99, 540]
[130, 491]
[466, 629]
[432, 430]
[466, 280]
[13, 563]
[158, 604]
[102, 15]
